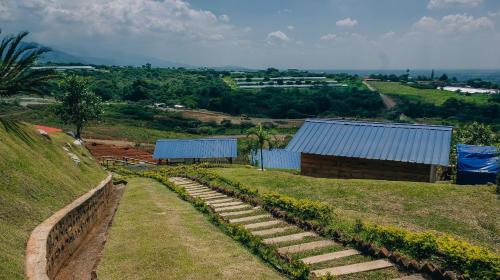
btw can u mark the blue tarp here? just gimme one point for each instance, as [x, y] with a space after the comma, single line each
[477, 164]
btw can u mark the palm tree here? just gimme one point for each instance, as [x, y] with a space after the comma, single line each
[16, 60]
[262, 136]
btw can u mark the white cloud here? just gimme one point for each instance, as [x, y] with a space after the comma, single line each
[328, 37]
[347, 22]
[224, 18]
[494, 14]
[284, 11]
[453, 24]
[277, 37]
[389, 35]
[134, 16]
[5, 13]
[433, 4]
[290, 27]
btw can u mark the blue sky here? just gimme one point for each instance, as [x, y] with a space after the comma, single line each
[319, 34]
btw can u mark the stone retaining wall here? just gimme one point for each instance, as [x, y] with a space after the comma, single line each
[52, 242]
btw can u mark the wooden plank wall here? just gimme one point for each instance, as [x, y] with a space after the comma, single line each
[348, 168]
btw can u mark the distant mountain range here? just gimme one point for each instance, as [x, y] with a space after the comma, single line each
[58, 56]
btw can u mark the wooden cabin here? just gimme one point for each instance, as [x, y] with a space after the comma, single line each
[372, 150]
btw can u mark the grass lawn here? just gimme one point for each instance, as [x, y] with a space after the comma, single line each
[433, 96]
[469, 212]
[156, 235]
[37, 178]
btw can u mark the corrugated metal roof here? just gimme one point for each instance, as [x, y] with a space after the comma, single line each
[277, 158]
[428, 144]
[196, 148]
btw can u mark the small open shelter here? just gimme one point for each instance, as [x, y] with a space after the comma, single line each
[477, 164]
[196, 150]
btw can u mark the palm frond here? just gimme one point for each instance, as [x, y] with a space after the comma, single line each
[16, 60]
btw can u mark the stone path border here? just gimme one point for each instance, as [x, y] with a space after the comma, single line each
[236, 211]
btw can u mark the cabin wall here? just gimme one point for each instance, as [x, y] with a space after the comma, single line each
[350, 168]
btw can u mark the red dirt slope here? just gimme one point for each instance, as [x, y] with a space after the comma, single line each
[118, 152]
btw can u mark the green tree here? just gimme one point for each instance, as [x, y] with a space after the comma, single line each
[16, 60]
[262, 136]
[139, 90]
[79, 104]
[476, 134]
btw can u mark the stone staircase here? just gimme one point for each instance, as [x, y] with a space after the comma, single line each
[324, 256]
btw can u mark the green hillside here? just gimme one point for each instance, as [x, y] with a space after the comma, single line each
[432, 96]
[37, 178]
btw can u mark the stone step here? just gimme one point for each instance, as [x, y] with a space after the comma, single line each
[306, 246]
[262, 224]
[176, 179]
[291, 237]
[330, 256]
[237, 213]
[352, 268]
[212, 196]
[202, 193]
[227, 204]
[250, 218]
[219, 201]
[184, 184]
[196, 189]
[271, 231]
[412, 277]
[222, 209]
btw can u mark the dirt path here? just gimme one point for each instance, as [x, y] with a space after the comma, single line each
[85, 260]
[370, 87]
[388, 102]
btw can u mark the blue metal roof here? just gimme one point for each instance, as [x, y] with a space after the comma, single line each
[427, 144]
[277, 158]
[196, 148]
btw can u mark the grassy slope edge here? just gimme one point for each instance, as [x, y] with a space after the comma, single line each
[37, 178]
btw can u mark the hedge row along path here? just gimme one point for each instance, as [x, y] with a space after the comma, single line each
[324, 256]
